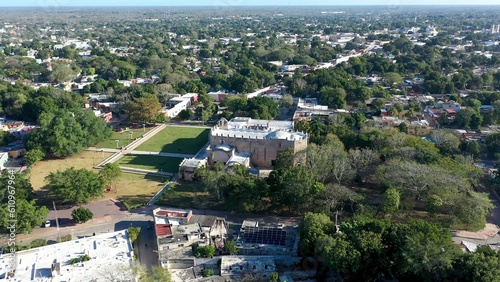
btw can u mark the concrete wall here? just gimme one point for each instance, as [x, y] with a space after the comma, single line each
[180, 263]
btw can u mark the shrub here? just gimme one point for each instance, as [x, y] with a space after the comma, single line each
[81, 215]
[133, 233]
[38, 243]
[64, 238]
[82, 258]
[205, 252]
[208, 272]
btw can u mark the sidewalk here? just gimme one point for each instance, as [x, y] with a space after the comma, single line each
[156, 197]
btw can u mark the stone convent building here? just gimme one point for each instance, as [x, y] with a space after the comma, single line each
[253, 142]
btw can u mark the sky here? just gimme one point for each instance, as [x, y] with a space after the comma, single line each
[62, 3]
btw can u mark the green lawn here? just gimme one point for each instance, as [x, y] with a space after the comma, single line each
[124, 138]
[173, 139]
[189, 195]
[167, 164]
[134, 190]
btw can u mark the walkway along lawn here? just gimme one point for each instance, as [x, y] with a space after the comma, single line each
[174, 139]
[133, 189]
[122, 137]
[166, 164]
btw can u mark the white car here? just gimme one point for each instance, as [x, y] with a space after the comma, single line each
[47, 223]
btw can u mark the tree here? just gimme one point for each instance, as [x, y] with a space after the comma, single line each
[262, 107]
[74, 186]
[155, 274]
[338, 254]
[469, 119]
[479, 266]
[294, 188]
[133, 233]
[33, 156]
[16, 192]
[62, 72]
[473, 148]
[403, 127]
[286, 100]
[393, 78]
[231, 247]
[425, 249]
[446, 141]
[205, 115]
[109, 173]
[205, 251]
[186, 114]
[27, 216]
[143, 110]
[64, 133]
[81, 215]
[312, 227]
[493, 145]
[391, 200]
[329, 162]
[434, 202]
[332, 97]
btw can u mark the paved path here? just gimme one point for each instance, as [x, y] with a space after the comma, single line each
[134, 152]
[161, 154]
[165, 188]
[146, 171]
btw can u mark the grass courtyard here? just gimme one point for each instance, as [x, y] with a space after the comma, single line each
[123, 138]
[86, 159]
[167, 164]
[132, 189]
[189, 195]
[174, 139]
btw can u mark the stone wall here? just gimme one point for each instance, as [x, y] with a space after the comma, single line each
[264, 151]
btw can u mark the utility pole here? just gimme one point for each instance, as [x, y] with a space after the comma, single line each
[57, 220]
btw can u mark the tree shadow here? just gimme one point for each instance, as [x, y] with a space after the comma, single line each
[187, 145]
[165, 164]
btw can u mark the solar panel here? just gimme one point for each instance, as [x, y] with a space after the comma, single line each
[265, 235]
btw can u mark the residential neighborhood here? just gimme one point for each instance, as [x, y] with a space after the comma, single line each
[245, 143]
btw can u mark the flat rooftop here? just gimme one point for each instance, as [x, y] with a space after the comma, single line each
[109, 253]
[249, 123]
[237, 265]
[259, 134]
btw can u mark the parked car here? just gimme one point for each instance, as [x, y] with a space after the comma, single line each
[47, 223]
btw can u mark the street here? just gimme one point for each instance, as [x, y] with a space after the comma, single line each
[110, 215]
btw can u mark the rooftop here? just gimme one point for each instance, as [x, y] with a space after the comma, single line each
[110, 252]
[238, 265]
[193, 162]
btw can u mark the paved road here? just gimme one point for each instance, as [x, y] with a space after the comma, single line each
[108, 217]
[111, 216]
